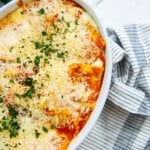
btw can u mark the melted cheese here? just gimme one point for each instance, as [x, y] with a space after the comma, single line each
[51, 70]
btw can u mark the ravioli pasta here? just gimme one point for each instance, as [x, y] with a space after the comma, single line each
[51, 70]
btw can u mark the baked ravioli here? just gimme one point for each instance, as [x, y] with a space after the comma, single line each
[51, 70]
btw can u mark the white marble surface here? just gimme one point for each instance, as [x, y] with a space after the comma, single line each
[121, 12]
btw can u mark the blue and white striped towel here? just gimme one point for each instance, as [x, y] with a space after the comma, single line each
[125, 121]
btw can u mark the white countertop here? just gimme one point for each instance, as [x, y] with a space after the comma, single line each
[121, 12]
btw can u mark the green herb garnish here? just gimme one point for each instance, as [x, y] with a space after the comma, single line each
[18, 60]
[37, 60]
[10, 122]
[13, 128]
[37, 134]
[25, 64]
[44, 33]
[18, 95]
[1, 99]
[12, 111]
[68, 24]
[11, 81]
[39, 95]
[29, 93]
[37, 45]
[76, 22]
[41, 11]
[60, 55]
[29, 82]
[45, 129]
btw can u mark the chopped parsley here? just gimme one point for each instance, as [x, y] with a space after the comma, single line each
[68, 24]
[44, 33]
[76, 22]
[41, 11]
[6, 144]
[37, 133]
[11, 125]
[50, 46]
[55, 26]
[12, 112]
[46, 61]
[29, 93]
[39, 95]
[52, 35]
[29, 82]
[37, 44]
[37, 60]
[30, 61]
[23, 130]
[1, 99]
[25, 64]
[10, 122]
[18, 95]
[13, 128]
[45, 129]
[18, 60]
[60, 54]
[11, 81]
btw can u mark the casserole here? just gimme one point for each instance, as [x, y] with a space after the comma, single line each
[29, 82]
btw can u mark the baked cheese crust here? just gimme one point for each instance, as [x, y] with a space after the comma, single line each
[51, 69]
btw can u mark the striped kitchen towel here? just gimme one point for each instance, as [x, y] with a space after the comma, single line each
[125, 121]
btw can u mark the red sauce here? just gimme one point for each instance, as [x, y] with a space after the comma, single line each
[87, 73]
[93, 96]
[70, 133]
[100, 43]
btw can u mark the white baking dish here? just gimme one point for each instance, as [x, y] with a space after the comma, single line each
[91, 8]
